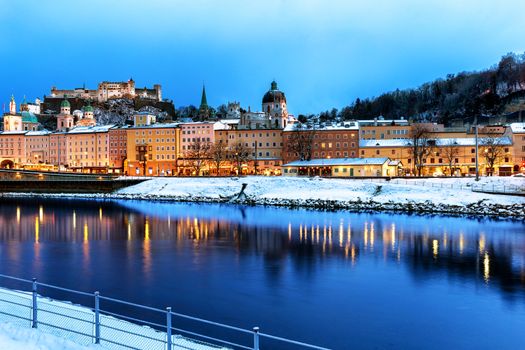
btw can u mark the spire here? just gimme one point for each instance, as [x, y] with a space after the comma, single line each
[273, 85]
[204, 100]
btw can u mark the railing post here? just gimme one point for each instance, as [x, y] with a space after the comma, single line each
[97, 318]
[255, 338]
[168, 326]
[34, 323]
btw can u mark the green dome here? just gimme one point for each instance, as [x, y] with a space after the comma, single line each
[65, 103]
[28, 117]
[88, 108]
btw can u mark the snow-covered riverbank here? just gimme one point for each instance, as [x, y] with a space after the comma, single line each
[445, 196]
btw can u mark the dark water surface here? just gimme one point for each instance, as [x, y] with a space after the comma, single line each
[337, 279]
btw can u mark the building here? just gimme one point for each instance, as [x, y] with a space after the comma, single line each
[65, 120]
[88, 149]
[12, 149]
[204, 109]
[517, 134]
[443, 154]
[343, 167]
[379, 128]
[305, 142]
[118, 149]
[144, 119]
[152, 150]
[23, 121]
[37, 149]
[107, 90]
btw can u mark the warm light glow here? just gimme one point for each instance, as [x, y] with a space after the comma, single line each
[393, 235]
[435, 247]
[372, 235]
[365, 234]
[481, 243]
[74, 219]
[341, 232]
[37, 230]
[41, 213]
[129, 231]
[461, 243]
[486, 267]
[100, 213]
[289, 232]
[146, 229]
[18, 214]
[86, 232]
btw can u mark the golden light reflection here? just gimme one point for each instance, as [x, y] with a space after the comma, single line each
[352, 253]
[481, 243]
[146, 247]
[289, 232]
[435, 247]
[37, 230]
[486, 267]
[445, 239]
[372, 235]
[365, 234]
[317, 233]
[86, 232]
[129, 231]
[74, 219]
[100, 213]
[146, 229]
[18, 214]
[461, 243]
[341, 232]
[41, 213]
[393, 235]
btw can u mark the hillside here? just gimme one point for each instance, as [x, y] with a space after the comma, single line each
[455, 99]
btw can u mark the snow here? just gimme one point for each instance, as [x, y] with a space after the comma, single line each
[13, 337]
[460, 141]
[454, 191]
[77, 324]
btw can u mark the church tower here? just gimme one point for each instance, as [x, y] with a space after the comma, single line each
[65, 119]
[12, 105]
[204, 109]
[274, 105]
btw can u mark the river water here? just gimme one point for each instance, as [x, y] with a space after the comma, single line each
[336, 279]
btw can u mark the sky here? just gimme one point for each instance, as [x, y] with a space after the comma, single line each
[323, 54]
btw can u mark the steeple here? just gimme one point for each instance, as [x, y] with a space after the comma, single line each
[12, 105]
[204, 100]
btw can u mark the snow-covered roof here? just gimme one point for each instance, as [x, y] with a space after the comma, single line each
[517, 128]
[317, 127]
[38, 133]
[230, 121]
[459, 141]
[383, 122]
[338, 161]
[158, 126]
[13, 132]
[90, 129]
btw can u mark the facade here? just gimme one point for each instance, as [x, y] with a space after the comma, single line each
[437, 162]
[23, 121]
[332, 141]
[152, 150]
[37, 148]
[107, 90]
[517, 134]
[265, 146]
[88, 148]
[12, 149]
[343, 167]
[117, 149]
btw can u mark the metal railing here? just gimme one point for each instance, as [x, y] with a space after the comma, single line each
[23, 303]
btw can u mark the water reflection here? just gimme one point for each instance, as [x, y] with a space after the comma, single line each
[208, 258]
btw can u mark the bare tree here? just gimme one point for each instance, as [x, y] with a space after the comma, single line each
[218, 154]
[197, 154]
[492, 151]
[299, 142]
[450, 151]
[239, 153]
[420, 146]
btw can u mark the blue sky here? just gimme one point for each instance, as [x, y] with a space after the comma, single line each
[323, 54]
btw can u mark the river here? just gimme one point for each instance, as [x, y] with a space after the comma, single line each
[337, 279]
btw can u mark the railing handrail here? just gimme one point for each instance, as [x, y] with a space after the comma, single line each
[167, 311]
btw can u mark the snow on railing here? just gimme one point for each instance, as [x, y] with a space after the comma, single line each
[115, 330]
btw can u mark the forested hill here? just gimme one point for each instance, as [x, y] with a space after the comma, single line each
[498, 90]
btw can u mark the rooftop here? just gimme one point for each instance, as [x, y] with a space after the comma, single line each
[517, 128]
[459, 141]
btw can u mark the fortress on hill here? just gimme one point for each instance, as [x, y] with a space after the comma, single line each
[108, 90]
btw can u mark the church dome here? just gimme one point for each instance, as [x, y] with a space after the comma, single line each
[65, 103]
[274, 95]
[88, 108]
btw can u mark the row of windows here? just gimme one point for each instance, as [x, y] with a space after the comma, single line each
[157, 132]
[330, 144]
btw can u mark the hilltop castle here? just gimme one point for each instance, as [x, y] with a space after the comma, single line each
[111, 90]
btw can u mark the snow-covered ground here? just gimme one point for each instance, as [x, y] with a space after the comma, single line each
[14, 337]
[62, 325]
[456, 191]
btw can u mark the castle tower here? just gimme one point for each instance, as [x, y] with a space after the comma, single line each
[274, 105]
[12, 105]
[23, 105]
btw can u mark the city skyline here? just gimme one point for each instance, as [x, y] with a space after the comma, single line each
[322, 55]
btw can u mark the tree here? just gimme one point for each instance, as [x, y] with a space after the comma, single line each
[239, 153]
[299, 142]
[492, 151]
[197, 154]
[420, 146]
[218, 154]
[450, 151]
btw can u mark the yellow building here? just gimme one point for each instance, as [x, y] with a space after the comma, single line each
[152, 150]
[438, 160]
[88, 148]
[517, 133]
[265, 146]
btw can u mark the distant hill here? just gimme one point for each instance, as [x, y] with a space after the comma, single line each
[456, 99]
[116, 111]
